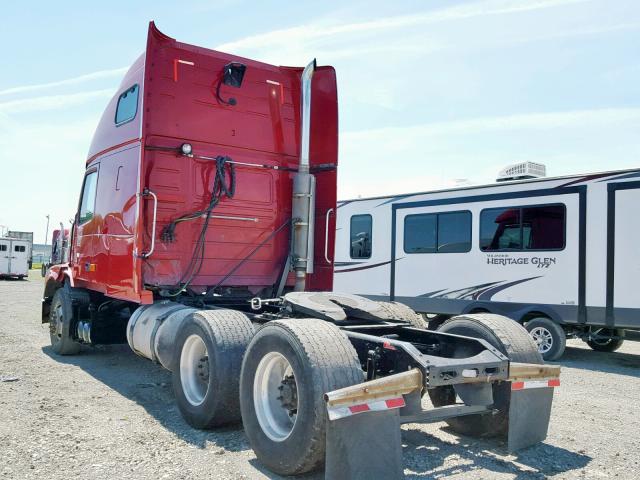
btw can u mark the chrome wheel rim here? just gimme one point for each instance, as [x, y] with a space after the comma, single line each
[194, 370]
[543, 339]
[55, 324]
[275, 396]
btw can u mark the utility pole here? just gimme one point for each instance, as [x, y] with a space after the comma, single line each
[46, 235]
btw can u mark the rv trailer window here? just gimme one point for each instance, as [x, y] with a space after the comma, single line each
[3, 248]
[87, 204]
[420, 233]
[539, 227]
[543, 227]
[448, 232]
[19, 248]
[127, 105]
[361, 232]
[454, 232]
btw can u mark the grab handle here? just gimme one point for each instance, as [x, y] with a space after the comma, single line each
[147, 192]
[326, 236]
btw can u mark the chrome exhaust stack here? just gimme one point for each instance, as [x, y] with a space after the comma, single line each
[304, 189]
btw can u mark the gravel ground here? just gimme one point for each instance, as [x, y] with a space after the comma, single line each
[107, 413]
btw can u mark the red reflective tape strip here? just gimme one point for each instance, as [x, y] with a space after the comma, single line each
[388, 346]
[545, 383]
[554, 383]
[363, 407]
[175, 69]
[395, 402]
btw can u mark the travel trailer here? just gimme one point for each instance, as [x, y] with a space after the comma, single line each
[558, 255]
[14, 257]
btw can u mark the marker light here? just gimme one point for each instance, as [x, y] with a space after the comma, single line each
[186, 149]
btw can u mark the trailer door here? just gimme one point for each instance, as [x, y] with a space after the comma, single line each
[5, 254]
[626, 259]
[19, 261]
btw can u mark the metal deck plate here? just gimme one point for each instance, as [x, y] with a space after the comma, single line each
[334, 306]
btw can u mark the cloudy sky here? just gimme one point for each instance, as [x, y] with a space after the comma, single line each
[432, 93]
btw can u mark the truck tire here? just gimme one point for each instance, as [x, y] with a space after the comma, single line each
[289, 366]
[61, 322]
[400, 311]
[210, 345]
[549, 336]
[43, 270]
[610, 344]
[513, 341]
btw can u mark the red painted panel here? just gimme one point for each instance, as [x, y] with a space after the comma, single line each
[177, 103]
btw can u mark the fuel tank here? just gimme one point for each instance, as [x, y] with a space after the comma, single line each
[152, 330]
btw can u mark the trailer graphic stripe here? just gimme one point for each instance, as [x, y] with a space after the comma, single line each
[488, 294]
[366, 267]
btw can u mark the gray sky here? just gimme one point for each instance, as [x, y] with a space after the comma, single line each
[432, 93]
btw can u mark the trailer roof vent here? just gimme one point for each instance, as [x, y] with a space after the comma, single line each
[521, 171]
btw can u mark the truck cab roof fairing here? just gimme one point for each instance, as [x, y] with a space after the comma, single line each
[107, 134]
[178, 103]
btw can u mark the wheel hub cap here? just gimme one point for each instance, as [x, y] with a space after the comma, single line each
[289, 394]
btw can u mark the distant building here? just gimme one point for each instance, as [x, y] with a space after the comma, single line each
[41, 253]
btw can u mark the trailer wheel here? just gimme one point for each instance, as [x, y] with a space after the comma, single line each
[61, 323]
[512, 340]
[43, 270]
[400, 311]
[288, 367]
[549, 336]
[210, 346]
[607, 344]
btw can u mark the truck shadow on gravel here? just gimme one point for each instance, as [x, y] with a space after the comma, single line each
[425, 456]
[615, 362]
[149, 385]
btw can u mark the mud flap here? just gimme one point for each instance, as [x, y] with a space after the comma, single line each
[364, 447]
[529, 414]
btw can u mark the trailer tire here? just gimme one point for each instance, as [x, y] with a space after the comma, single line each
[400, 311]
[303, 359]
[510, 338]
[61, 321]
[210, 346]
[549, 336]
[610, 345]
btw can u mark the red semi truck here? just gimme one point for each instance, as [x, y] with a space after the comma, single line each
[204, 237]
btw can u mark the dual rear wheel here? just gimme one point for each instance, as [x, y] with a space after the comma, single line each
[276, 379]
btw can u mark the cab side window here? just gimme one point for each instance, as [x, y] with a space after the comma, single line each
[127, 105]
[88, 202]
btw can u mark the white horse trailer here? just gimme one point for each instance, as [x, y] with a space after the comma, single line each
[556, 254]
[14, 257]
